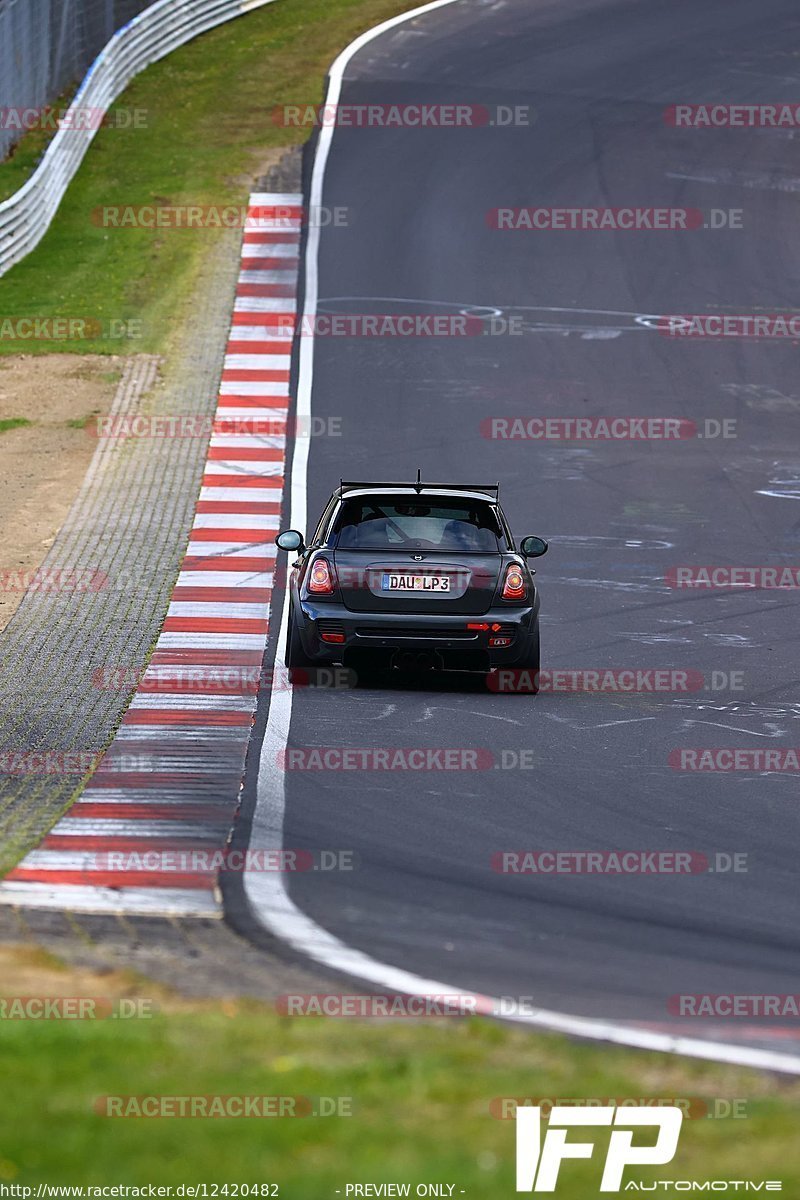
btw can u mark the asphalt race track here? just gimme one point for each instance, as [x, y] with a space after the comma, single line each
[597, 76]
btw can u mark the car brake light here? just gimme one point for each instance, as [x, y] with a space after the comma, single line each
[336, 638]
[514, 586]
[320, 578]
[478, 625]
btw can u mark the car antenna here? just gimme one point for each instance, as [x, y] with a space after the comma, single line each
[418, 484]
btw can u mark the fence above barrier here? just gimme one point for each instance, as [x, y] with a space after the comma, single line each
[26, 216]
[46, 47]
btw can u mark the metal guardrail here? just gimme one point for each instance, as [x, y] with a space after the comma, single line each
[26, 216]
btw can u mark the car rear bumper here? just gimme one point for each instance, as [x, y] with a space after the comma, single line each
[501, 637]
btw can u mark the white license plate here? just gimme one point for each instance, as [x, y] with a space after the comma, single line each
[401, 582]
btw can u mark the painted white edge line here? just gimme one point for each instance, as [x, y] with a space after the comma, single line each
[266, 892]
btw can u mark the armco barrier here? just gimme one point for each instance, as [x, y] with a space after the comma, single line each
[154, 33]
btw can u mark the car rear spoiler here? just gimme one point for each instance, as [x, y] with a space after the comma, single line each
[346, 485]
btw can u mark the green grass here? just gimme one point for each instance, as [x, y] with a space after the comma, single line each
[25, 154]
[13, 423]
[419, 1093]
[208, 110]
[82, 422]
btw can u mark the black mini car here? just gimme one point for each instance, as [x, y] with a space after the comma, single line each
[413, 575]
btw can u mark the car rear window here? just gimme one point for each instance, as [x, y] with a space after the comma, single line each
[391, 523]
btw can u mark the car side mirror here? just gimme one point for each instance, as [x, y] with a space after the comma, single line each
[290, 539]
[533, 547]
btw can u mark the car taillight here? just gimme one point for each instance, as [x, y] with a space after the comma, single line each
[514, 587]
[320, 578]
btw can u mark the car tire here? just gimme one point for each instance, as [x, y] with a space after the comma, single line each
[528, 668]
[533, 665]
[297, 661]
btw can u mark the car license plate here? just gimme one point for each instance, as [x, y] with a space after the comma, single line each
[392, 582]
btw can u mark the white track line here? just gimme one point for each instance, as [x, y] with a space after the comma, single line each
[272, 906]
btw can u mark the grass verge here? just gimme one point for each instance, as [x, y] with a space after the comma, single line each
[20, 164]
[421, 1098]
[207, 112]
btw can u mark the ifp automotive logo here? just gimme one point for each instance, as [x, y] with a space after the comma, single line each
[539, 1160]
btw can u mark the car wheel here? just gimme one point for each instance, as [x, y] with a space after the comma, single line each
[526, 672]
[532, 666]
[296, 659]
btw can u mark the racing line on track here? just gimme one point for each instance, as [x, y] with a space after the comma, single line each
[170, 780]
